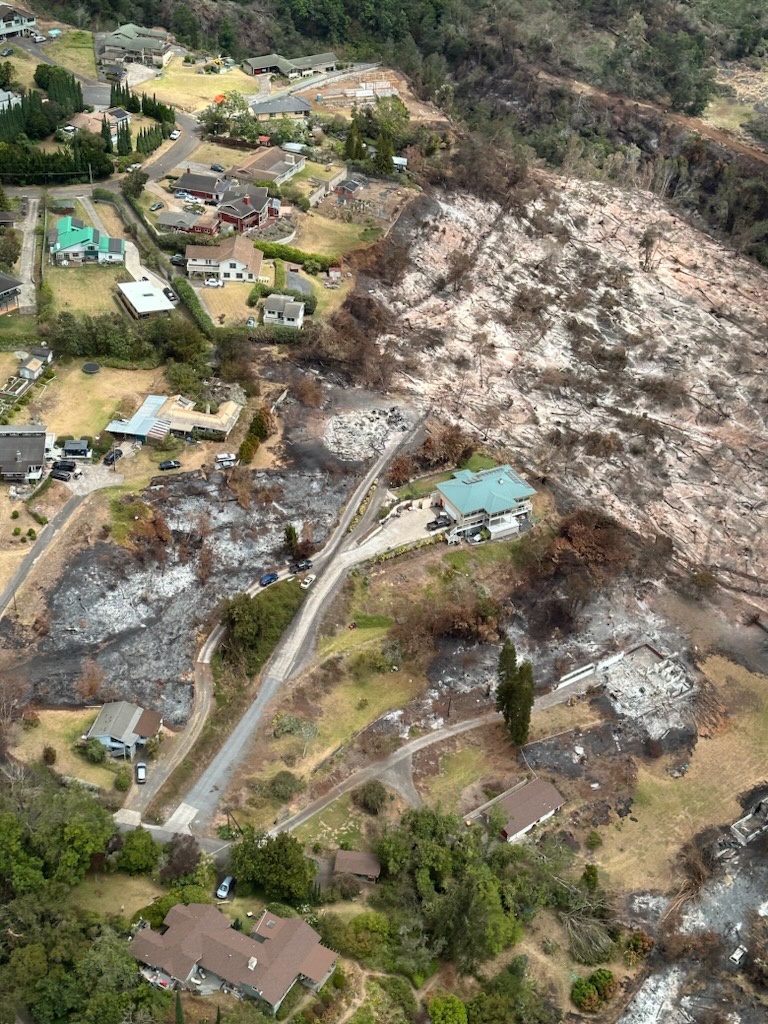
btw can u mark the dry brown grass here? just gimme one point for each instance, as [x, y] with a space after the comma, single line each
[80, 404]
[88, 290]
[669, 812]
[111, 220]
[114, 894]
[181, 85]
[60, 729]
[229, 302]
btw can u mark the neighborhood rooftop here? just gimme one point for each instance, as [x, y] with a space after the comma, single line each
[280, 105]
[492, 490]
[525, 807]
[125, 722]
[236, 247]
[266, 963]
[357, 862]
[159, 415]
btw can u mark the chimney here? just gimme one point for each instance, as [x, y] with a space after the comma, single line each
[18, 456]
[252, 963]
[247, 200]
[189, 171]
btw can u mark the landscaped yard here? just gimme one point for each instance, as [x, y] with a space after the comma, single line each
[81, 404]
[228, 302]
[329, 237]
[14, 324]
[209, 153]
[183, 86]
[74, 50]
[89, 289]
[330, 299]
[60, 730]
[105, 894]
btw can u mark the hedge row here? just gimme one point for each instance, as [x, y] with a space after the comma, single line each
[188, 296]
[278, 251]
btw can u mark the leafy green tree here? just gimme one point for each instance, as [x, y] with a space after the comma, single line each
[291, 538]
[471, 920]
[371, 796]
[133, 183]
[140, 853]
[514, 693]
[275, 863]
[447, 1010]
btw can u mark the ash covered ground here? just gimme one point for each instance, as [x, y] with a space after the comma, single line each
[630, 379]
[139, 612]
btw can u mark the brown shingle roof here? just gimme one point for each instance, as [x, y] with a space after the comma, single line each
[148, 724]
[355, 862]
[279, 951]
[528, 805]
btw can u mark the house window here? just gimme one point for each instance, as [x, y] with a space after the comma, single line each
[239, 277]
[232, 266]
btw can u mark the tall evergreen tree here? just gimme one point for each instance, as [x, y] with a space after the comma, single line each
[179, 1009]
[385, 150]
[514, 693]
[106, 134]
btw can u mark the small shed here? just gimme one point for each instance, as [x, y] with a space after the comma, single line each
[32, 368]
[355, 862]
[77, 449]
[524, 808]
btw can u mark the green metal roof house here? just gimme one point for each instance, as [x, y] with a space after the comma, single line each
[496, 499]
[72, 240]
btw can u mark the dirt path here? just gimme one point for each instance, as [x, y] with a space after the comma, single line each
[719, 135]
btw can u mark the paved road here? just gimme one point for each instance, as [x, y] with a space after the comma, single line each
[183, 148]
[28, 295]
[297, 282]
[201, 801]
[44, 538]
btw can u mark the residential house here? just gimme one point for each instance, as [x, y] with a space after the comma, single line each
[246, 207]
[84, 121]
[132, 44]
[202, 186]
[121, 727]
[8, 218]
[32, 368]
[206, 224]
[526, 807]
[75, 242]
[77, 449]
[172, 221]
[143, 300]
[118, 116]
[14, 21]
[161, 415]
[22, 453]
[334, 274]
[293, 107]
[8, 100]
[284, 311]
[296, 67]
[495, 499]
[10, 289]
[201, 951]
[233, 259]
[366, 866]
[272, 164]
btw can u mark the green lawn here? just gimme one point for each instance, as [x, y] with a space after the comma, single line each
[114, 894]
[14, 325]
[332, 238]
[457, 771]
[85, 289]
[74, 50]
[424, 485]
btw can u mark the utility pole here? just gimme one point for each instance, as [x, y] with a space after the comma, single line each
[90, 172]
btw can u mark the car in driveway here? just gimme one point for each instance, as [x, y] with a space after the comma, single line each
[112, 457]
[61, 474]
[307, 582]
[68, 465]
[183, 195]
[435, 525]
[38, 38]
[175, 134]
[155, 207]
[134, 167]
[218, 168]
[178, 260]
[251, 321]
[213, 282]
[226, 888]
[170, 464]
[301, 565]
[141, 772]
[7, 52]
[170, 294]
[267, 579]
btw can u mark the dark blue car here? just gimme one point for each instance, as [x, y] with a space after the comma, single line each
[267, 578]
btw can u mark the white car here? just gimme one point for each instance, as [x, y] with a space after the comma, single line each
[213, 282]
[307, 582]
[39, 39]
[134, 167]
[181, 194]
[175, 134]
[226, 457]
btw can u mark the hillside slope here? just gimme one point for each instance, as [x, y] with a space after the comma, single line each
[616, 350]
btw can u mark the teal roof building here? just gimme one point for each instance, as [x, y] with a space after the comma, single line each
[495, 499]
[71, 239]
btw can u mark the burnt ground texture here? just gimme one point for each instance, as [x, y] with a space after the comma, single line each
[128, 617]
